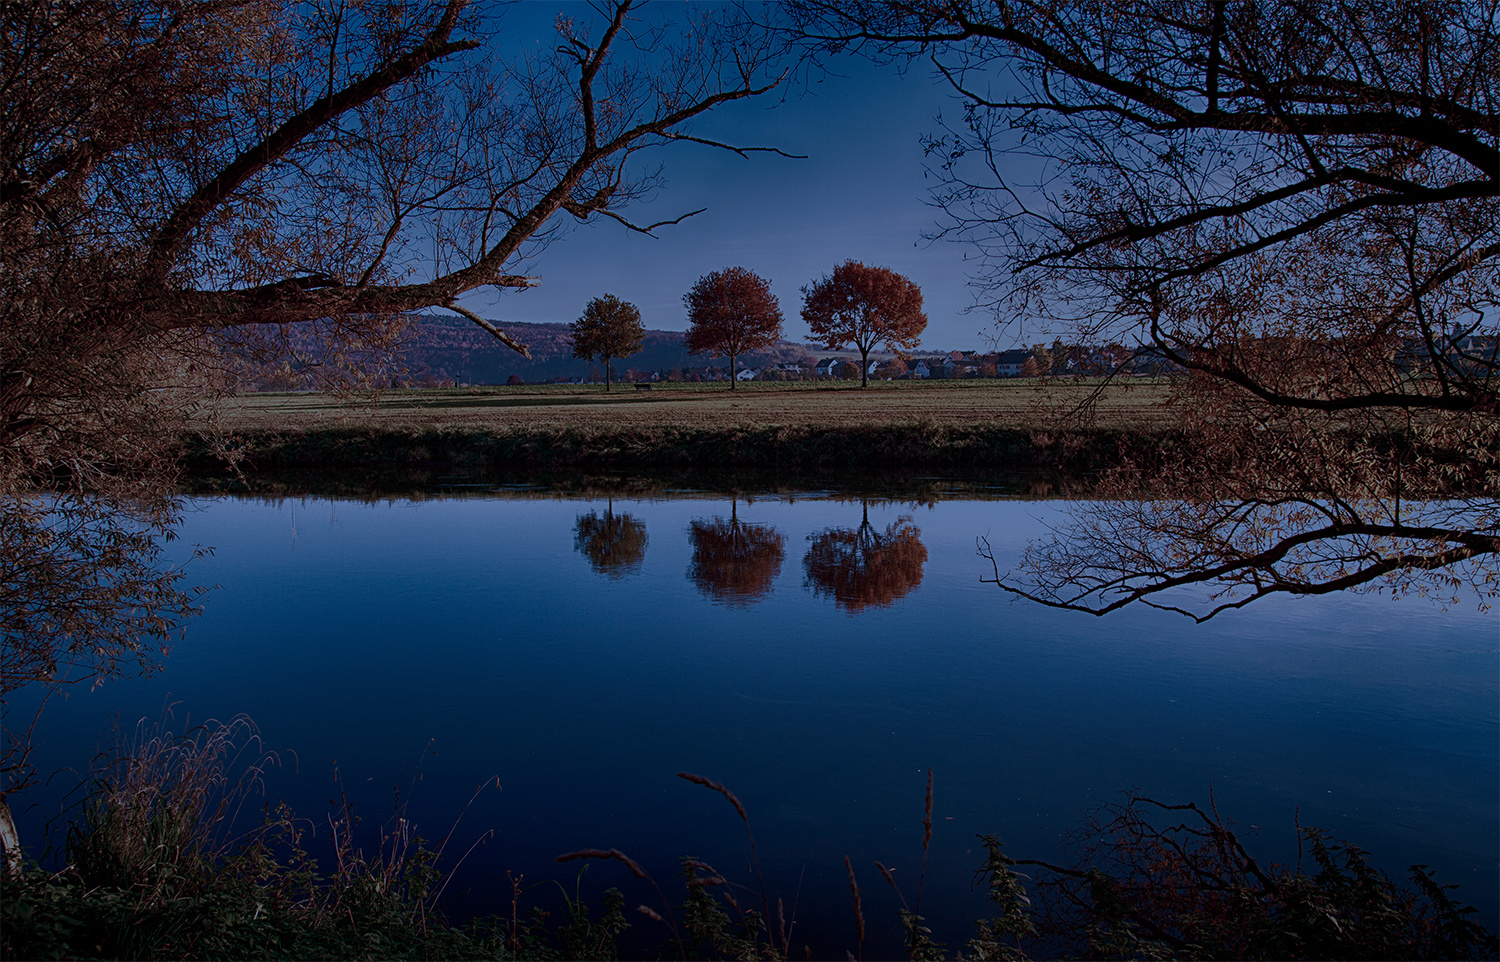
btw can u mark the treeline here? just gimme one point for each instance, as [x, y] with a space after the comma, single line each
[440, 350]
[443, 351]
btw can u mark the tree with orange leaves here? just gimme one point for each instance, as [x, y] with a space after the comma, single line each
[731, 312]
[190, 187]
[862, 306]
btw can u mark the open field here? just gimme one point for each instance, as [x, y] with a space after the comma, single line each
[996, 403]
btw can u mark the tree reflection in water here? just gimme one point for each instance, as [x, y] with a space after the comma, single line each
[861, 568]
[615, 544]
[1293, 512]
[734, 563]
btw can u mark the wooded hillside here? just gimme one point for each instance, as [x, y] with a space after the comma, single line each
[440, 349]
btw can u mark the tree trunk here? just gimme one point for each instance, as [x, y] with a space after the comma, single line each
[864, 367]
[11, 856]
[606, 374]
[731, 372]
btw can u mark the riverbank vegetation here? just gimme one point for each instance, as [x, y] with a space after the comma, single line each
[765, 435]
[1126, 438]
[159, 864]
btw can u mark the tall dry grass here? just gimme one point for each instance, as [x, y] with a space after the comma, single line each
[164, 858]
[160, 808]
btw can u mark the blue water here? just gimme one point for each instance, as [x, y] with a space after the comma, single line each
[472, 638]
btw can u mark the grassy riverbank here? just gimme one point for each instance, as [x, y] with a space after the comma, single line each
[761, 434]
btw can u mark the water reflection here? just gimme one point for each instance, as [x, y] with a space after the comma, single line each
[1376, 718]
[734, 562]
[615, 544]
[860, 568]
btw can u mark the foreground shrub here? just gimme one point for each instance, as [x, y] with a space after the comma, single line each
[154, 872]
[1188, 889]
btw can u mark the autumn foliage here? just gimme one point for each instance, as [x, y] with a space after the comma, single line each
[731, 312]
[863, 306]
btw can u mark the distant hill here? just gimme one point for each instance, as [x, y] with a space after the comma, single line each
[444, 349]
[454, 348]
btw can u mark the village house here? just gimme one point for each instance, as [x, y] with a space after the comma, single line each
[1009, 363]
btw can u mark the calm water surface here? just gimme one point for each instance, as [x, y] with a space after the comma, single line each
[584, 652]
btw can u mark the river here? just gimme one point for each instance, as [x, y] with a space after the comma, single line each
[583, 651]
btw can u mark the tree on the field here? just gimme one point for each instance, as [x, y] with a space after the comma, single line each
[864, 306]
[609, 328]
[735, 562]
[614, 544]
[189, 185]
[1042, 355]
[1300, 205]
[183, 179]
[861, 567]
[731, 312]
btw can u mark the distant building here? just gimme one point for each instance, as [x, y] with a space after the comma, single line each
[1009, 363]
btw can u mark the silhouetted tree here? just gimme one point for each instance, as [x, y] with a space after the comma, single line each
[731, 312]
[860, 567]
[1300, 204]
[188, 184]
[609, 328]
[252, 170]
[734, 563]
[614, 544]
[863, 306]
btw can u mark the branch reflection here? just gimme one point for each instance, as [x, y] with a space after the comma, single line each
[1289, 512]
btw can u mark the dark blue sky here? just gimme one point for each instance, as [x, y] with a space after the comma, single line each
[861, 194]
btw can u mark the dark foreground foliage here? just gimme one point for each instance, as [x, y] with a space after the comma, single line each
[1166, 881]
[153, 870]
